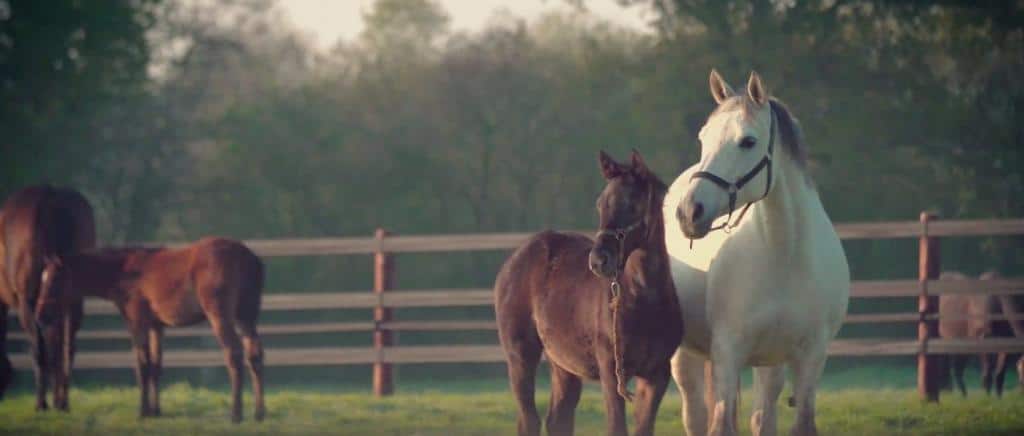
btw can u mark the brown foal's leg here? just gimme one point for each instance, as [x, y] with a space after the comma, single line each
[565, 395]
[649, 392]
[156, 357]
[224, 329]
[254, 359]
[523, 355]
[615, 407]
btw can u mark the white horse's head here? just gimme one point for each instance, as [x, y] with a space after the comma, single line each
[735, 160]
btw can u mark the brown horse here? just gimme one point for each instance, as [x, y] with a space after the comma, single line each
[216, 279]
[38, 223]
[622, 320]
[964, 316]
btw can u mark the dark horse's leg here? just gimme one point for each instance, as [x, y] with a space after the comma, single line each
[649, 392]
[1000, 375]
[1020, 371]
[959, 364]
[6, 369]
[143, 365]
[156, 358]
[224, 329]
[565, 395]
[986, 372]
[254, 359]
[36, 345]
[522, 350]
[615, 407]
[70, 324]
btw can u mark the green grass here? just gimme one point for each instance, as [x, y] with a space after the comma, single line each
[477, 409]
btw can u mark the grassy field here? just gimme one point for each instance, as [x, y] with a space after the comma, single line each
[476, 408]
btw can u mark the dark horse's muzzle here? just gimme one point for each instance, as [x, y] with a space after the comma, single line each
[603, 263]
[607, 258]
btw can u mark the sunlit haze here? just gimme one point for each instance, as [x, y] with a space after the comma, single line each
[328, 20]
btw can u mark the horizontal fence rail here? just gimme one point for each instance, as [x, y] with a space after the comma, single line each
[483, 297]
[488, 353]
[507, 241]
[382, 299]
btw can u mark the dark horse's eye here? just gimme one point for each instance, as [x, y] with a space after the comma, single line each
[748, 142]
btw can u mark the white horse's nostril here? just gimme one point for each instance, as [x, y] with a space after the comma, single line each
[698, 211]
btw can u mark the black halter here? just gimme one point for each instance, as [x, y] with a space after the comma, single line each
[734, 187]
[620, 236]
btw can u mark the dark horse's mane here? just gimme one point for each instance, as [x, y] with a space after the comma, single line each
[654, 210]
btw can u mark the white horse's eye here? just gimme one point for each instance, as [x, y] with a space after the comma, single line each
[748, 142]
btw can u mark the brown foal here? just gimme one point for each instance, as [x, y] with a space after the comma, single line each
[600, 310]
[216, 279]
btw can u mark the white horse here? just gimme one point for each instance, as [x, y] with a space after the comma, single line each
[772, 287]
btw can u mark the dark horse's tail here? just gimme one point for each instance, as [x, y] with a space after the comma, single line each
[251, 287]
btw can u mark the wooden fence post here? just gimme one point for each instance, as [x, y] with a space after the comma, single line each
[383, 277]
[929, 367]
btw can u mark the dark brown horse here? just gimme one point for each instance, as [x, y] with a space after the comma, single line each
[216, 279]
[619, 321]
[964, 316]
[38, 223]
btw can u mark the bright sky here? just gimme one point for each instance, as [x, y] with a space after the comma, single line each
[328, 20]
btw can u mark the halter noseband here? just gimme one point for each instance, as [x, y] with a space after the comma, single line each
[734, 187]
[619, 235]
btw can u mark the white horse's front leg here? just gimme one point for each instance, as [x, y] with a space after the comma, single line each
[807, 370]
[768, 381]
[725, 374]
[688, 372]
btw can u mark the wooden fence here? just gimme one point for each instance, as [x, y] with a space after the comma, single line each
[383, 299]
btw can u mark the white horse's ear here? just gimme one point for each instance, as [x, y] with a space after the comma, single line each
[755, 89]
[719, 89]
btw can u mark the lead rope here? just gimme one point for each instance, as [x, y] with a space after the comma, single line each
[620, 372]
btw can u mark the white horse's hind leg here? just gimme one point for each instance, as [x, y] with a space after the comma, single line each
[806, 372]
[688, 372]
[768, 381]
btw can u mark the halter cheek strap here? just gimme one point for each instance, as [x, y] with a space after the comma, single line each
[732, 188]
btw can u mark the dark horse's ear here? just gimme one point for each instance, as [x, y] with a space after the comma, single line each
[609, 168]
[639, 167]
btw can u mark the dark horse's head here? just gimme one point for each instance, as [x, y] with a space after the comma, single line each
[53, 297]
[625, 213]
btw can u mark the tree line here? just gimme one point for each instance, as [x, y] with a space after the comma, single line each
[179, 119]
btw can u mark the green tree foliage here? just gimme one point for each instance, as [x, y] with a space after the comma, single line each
[58, 61]
[241, 129]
